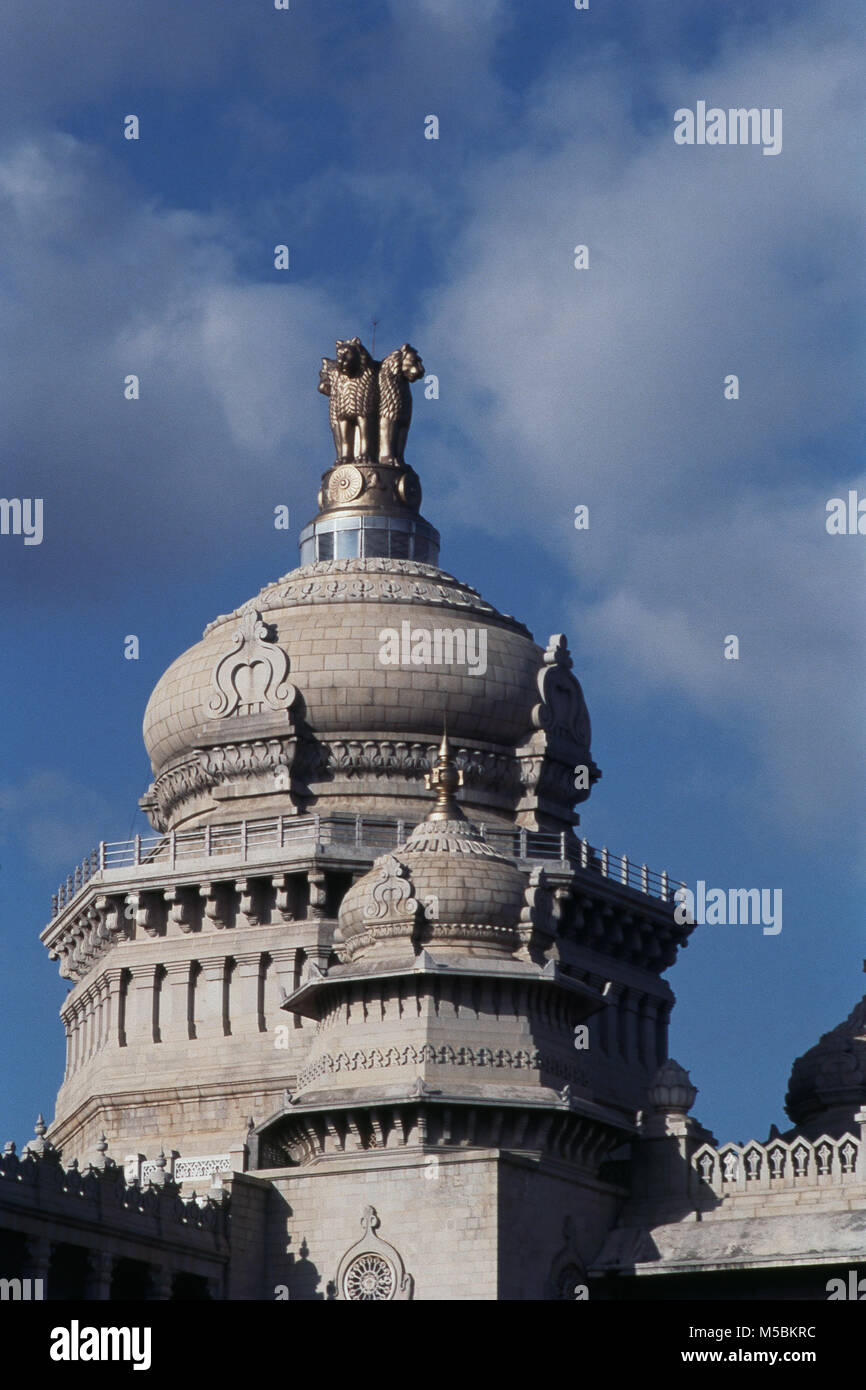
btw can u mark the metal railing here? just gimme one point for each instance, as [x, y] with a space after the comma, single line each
[246, 838]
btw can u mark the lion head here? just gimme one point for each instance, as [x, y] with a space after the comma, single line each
[404, 361]
[352, 357]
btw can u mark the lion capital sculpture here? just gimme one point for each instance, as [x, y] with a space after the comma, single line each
[352, 384]
[363, 394]
[396, 371]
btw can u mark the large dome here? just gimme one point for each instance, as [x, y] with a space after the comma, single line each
[331, 687]
[335, 621]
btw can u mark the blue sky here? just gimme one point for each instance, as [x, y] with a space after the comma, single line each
[557, 387]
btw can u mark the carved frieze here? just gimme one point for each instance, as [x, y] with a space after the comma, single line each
[352, 580]
[287, 760]
[502, 1057]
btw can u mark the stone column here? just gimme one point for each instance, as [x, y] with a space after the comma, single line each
[100, 1269]
[245, 994]
[37, 1261]
[174, 1025]
[89, 1024]
[112, 979]
[209, 998]
[76, 1035]
[68, 1017]
[140, 1005]
[648, 1027]
[98, 1015]
[160, 1283]
[83, 1020]
[281, 976]
[630, 1023]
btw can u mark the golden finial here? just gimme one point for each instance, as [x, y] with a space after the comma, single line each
[445, 777]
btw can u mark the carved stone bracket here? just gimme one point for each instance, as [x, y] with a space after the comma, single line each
[281, 885]
[213, 905]
[179, 910]
[538, 920]
[247, 905]
[318, 895]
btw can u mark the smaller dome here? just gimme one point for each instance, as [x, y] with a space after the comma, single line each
[443, 886]
[671, 1088]
[828, 1083]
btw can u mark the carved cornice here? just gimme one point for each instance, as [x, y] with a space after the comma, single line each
[285, 759]
[378, 581]
[426, 1118]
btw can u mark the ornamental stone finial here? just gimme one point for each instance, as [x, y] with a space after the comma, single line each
[445, 777]
[671, 1088]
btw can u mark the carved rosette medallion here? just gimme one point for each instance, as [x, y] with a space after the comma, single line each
[369, 1279]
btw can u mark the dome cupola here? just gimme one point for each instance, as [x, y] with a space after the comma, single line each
[444, 886]
[828, 1083]
[327, 691]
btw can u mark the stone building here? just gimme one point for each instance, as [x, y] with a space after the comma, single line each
[366, 1017]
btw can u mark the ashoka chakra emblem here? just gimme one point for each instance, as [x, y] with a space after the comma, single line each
[369, 1279]
[409, 489]
[345, 484]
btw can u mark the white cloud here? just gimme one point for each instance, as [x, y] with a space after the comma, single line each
[605, 387]
[97, 285]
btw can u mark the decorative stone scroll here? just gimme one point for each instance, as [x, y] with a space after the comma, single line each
[392, 894]
[538, 921]
[557, 769]
[251, 678]
[567, 1276]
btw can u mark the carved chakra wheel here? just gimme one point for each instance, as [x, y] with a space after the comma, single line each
[409, 489]
[372, 1271]
[369, 1279]
[345, 484]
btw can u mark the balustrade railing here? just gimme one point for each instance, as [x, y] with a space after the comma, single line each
[758, 1168]
[246, 839]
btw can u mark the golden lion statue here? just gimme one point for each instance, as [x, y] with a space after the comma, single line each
[395, 401]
